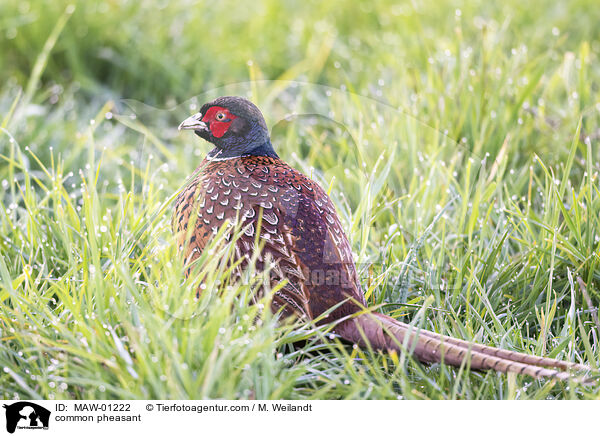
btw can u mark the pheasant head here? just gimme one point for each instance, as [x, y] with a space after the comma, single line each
[234, 125]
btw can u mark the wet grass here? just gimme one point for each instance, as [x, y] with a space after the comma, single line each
[459, 144]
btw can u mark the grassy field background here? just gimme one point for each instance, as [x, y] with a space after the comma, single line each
[459, 142]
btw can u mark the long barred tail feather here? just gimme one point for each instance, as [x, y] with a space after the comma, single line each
[384, 332]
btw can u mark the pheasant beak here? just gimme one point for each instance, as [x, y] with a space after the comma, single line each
[193, 123]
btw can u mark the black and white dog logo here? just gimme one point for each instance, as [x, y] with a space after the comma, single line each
[26, 415]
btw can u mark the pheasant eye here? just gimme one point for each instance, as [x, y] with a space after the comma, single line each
[220, 116]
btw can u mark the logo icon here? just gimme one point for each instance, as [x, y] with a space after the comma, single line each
[26, 415]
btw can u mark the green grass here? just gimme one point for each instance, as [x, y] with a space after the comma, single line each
[459, 143]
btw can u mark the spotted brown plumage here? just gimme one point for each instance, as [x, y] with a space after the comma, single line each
[298, 225]
[243, 182]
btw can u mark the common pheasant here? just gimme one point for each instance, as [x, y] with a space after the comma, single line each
[243, 181]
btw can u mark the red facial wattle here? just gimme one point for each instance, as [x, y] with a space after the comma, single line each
[218, 127]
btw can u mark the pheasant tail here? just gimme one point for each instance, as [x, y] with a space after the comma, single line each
[385, 333]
